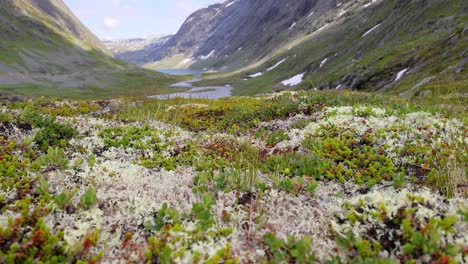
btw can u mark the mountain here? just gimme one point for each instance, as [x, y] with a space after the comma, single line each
[406, 47]
[231, 34]
[46, 50]
[409, 47]
[137, 50]
[62, 20]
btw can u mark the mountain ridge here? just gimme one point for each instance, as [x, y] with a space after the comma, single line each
[354, 44]
[46, 50]
[137, 50]
[230, 29]
[403, 47]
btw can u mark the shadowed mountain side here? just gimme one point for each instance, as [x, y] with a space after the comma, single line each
[398, 46]
[40, 56]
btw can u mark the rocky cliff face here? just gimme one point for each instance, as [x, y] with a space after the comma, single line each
[234, 33]
[248, 29]
[407, 47]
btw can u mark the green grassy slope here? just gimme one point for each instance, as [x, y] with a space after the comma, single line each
[429, 39]
[37, 57]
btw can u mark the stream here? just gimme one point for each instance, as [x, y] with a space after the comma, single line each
[204, 92]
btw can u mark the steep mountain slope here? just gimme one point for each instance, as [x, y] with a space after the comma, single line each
[238, 32]
[234, 33]
[45, 50]
[409, 47]
[138, 50]
[65, 22]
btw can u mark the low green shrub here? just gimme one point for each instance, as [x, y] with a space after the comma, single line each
[64, 200]
[297, 165]
[352, 158]
[36, 245]
[4, 118]
[291, 250]
[144, 137]
[276, 137]
[176, 233]
[222, 153]
[88, 199]
[185, 155]
[408, 227]
[54, 158]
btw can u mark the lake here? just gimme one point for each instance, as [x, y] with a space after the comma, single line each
[181, 71]
[204, 92]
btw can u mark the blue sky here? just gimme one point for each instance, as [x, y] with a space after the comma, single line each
[134, 18]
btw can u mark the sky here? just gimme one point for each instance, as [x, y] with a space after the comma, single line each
[117, 19]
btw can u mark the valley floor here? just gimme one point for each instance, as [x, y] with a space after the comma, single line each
[296, 177]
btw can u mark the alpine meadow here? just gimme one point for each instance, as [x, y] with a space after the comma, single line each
[262, 131]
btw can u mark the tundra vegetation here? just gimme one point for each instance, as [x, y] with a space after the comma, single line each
[291, 177]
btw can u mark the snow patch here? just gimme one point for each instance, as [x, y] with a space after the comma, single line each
[209, 55]
[276, 65]
[184, 62]
[343, 12]
[295, 80]
[323, 62]
[292, 26]
[400, 74]
[370, 3]
[256, 75]
[370, 30]
[322, 28]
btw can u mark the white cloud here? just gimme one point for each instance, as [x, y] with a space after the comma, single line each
[111, 23]
[130, 18]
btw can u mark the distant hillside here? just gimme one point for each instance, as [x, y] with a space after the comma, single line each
[232, 34]
[65, 22]
[138, 50]
[407, 47]
[45, 50]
